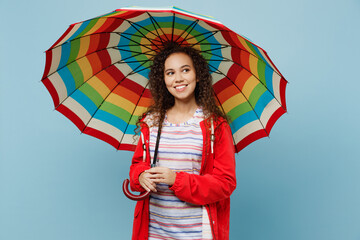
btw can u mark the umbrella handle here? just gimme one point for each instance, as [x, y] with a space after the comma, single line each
[131, 196]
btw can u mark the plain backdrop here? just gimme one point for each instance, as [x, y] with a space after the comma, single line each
[302, 183]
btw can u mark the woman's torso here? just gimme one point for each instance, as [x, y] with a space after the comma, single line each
[180, 149]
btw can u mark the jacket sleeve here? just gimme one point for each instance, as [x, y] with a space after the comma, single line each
[215, 186]
[138, 166]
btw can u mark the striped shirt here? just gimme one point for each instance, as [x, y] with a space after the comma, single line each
[180, 149]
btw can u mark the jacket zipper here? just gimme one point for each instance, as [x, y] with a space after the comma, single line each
[203, 164]
[211, 224]
[206, 156]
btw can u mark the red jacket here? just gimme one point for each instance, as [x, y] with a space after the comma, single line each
[211, 188]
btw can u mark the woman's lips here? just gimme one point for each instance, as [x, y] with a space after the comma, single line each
[180, 88]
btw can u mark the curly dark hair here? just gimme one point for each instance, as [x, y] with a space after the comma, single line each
[163, 100]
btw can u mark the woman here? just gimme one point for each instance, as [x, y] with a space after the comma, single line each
[194, 176]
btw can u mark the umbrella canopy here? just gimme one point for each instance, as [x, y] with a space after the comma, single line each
[97, 72]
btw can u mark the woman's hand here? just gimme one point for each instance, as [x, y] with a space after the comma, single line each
[162, 175]
[146, 182]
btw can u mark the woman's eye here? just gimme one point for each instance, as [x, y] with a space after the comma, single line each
[169, 73]
[186, 70]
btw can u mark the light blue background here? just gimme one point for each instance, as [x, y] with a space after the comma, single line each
[301, 184]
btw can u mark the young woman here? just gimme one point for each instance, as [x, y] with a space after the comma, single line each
[194, 174]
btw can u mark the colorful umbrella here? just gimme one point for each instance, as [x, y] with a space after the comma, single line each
[97, 72]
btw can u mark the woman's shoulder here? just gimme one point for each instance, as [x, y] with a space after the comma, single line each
[217, 120]
[149, 119]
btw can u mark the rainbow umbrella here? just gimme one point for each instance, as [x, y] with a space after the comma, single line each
[97, 72]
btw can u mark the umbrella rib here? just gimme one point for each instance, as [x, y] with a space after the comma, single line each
[213, 49]
[214, 44]
[155, 22]
[199, 42]
[253, 109]
[139, 44]
[133, 24]
[210, 33]
[192, 26]
[135, 61]
[133, 45]
[185, 31]
[132, 51]
[254, 55]
[172, 29]
[123, 34]
[222, 109]
[214, 32]
[92, 116]
[229, 60]
[155, 27]
[116, 18]
[217, 60]
[132, 114]
[145, 53]
[120, 61]
[139, 26]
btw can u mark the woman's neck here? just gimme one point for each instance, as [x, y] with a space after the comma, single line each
[185, 107]
[181, 112]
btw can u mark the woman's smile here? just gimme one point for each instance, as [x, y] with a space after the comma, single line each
[181, 88]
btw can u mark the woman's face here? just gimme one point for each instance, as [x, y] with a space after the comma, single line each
[180, 77]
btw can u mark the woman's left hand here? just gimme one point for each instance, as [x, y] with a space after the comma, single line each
[162, 175]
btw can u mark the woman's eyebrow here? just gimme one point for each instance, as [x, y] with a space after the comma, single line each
[186, 65]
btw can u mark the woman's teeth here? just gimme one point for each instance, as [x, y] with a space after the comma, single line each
[180, 87]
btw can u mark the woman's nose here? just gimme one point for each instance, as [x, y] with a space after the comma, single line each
[178, 77]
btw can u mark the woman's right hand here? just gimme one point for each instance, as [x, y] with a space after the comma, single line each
[146, 182]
